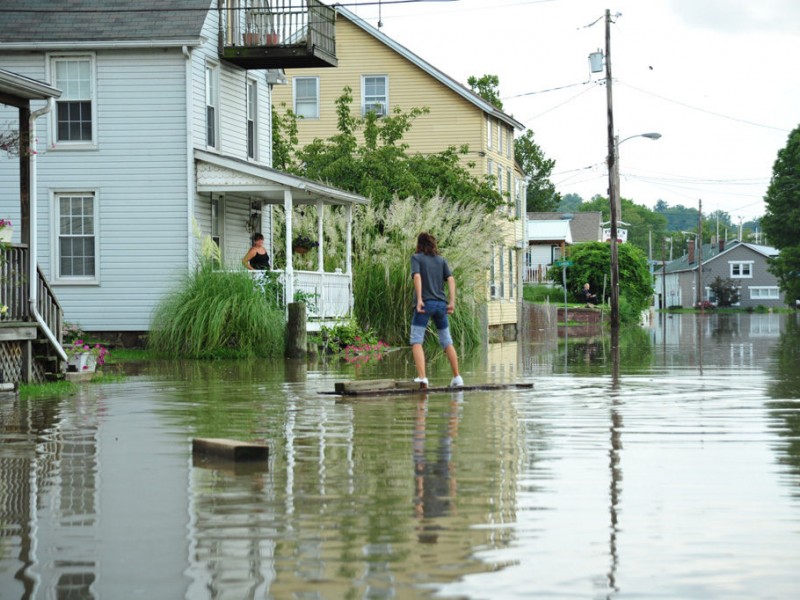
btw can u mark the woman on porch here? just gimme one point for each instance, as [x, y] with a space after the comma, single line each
[257, 258]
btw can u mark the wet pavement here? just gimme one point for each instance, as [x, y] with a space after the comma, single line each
[674, 474]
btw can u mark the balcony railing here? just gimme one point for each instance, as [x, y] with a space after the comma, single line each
[277, 34]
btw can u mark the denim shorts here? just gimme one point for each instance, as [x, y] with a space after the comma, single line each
[437, 310]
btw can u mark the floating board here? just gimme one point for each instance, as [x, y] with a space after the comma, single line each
[229, 449]
[386, 387]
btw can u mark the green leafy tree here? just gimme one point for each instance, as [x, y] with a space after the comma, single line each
[645, 227]
[487, 88]
[541, 195]
[781, 222]
[726, 291]
[367, 156]
[591, 263]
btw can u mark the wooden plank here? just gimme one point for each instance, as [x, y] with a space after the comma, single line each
[345, 387]
[415, 389]
[230, 449]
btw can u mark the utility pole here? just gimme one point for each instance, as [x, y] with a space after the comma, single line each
[699, 242]
[613, 190]
[664, 273]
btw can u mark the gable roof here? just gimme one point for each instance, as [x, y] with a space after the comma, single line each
[584, 226]
[711, 252]
[56, 23]
[444, 79]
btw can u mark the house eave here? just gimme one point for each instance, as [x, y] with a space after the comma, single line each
[99, 44]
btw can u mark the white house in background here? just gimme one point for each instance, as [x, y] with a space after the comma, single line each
[164, 122]
[548, 234]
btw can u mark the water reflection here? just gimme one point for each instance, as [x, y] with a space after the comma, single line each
[670, 464]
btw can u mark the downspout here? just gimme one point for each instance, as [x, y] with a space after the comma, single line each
[189, 161]
[33, 277]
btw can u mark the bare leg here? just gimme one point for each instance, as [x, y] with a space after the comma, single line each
[419, 359]
[450, 352]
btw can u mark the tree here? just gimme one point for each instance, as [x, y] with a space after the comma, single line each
[782, 219]
[487, 88]
[570, 203]
[726, 291]
[541, 195]
[591, 263]
[379, 167]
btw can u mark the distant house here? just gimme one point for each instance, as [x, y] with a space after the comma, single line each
[548, 234]
[745, 264]
[384, 75]
[163, 126]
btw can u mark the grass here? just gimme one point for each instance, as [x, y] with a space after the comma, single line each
[542, 293]
[47, 391]
[218, 314]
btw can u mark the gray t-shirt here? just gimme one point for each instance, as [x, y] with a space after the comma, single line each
[434, 271]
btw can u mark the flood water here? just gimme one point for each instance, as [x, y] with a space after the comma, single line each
[674, 474]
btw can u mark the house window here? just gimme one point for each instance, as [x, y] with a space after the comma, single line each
[500, 179]
[502, 278]
[490, 167]
[216, 222]
[489, 132]
[252, 114]
[76, 247]
[510, 145]
[499, 137]
[741, 270]
[375, 91]
[509, 181]
[306, 97]
[74, 115]
[212, 105]
[510, 272]
[764, 292]
[493, 275]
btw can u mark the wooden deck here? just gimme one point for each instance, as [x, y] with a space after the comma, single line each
[391, 387]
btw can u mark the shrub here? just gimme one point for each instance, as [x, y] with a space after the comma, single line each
[215, 314]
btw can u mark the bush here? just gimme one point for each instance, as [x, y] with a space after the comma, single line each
[219, 314]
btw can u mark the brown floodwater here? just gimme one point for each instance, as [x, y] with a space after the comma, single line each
[673, 474]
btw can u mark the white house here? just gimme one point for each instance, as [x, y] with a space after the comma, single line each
[164, 121]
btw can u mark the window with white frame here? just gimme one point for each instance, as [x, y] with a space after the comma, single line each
[488, 132]
[741, 270]
[375, 94]
[252, 119]
[499, 179]
[306, 97]
[216, 221]
[764, 292]
[490, 167]
[509, 181]
[511, 281]
[493, 274]
[499, 136]
[510, 145]
[76, 232]
[212, 105]
[75, 110]
[502, 275]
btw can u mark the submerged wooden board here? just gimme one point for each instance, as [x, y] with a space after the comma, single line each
[409, 387]
[229, 449]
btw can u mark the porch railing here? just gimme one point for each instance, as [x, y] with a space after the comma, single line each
[306, 23]
[328, 296]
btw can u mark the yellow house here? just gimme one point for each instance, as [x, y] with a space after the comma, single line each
[384, 75]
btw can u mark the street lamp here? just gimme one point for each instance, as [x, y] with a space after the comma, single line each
[617, 142]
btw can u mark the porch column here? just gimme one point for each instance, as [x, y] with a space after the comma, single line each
[289, 275]
[320, 252]
[349, 249]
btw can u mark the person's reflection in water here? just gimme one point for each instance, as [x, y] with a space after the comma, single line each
[434, 481]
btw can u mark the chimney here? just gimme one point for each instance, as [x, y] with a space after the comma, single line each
[691, 252]
[722, 245]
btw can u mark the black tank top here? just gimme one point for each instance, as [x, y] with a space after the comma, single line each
[260, 262]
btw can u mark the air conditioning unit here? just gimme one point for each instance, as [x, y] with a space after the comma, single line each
[379, 108]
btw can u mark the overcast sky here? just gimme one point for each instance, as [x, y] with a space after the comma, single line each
[716, 78]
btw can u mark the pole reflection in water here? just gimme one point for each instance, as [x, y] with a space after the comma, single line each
[614, 467]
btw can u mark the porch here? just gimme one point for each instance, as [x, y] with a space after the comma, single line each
[277, 34]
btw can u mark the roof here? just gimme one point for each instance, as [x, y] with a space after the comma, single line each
[20, 86]
[584, 226]
[444, 79]
[711, 252]
[223, 173]
[51, 23]
[549, 231]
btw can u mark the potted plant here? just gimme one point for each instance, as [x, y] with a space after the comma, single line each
[5, 231]
[85, 358]
[302, 244]
[272, 39]
[252, 38]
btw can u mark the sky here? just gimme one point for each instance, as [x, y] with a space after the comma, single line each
[716, 78]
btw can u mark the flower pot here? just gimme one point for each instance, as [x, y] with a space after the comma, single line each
[252, 39]
[82, 362]
[272, 39]
[5, 234]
